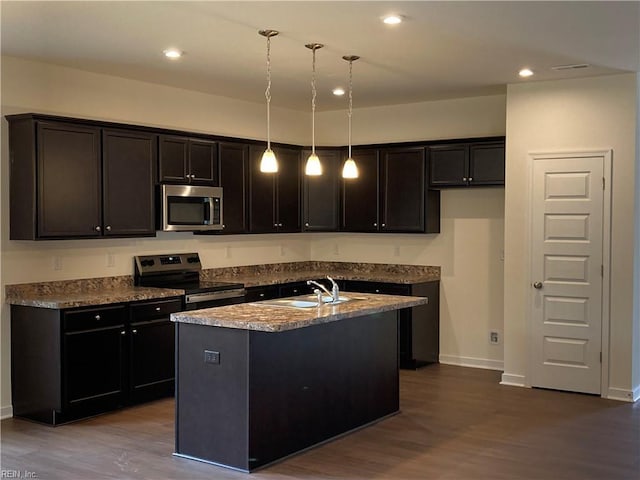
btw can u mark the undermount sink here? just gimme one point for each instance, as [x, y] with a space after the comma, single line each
[308, 301]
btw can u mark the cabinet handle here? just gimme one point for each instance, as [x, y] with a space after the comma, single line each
[261, 295]
[464, 179]
[384, 225]
[97, 317]
[275, 225]
[377, 290]
[134, 331]
[279, 224]
[98, 228]
[193, 175]
[306, 224]
[157, 309]
[471, 179]
[108, 228]
[223, 225]
[375, 224]
[123, 332]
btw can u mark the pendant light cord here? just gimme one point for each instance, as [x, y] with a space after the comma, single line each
[350, 101]
[313, 105]
[267, 93]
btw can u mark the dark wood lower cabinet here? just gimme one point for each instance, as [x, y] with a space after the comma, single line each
[74, 363]
[274, 394]
[419, 327]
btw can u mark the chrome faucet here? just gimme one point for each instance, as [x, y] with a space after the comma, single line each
[334, 293]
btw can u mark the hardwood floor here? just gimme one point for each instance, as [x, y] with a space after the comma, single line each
[456, 424]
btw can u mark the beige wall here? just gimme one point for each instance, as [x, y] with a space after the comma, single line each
[571, 115]
[468, 248]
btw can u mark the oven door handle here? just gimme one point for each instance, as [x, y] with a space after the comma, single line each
[211, 296]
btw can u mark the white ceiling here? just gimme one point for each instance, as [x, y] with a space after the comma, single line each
[441, 50]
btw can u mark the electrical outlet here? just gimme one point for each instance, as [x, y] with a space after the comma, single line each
[494, 337]
[211, 357]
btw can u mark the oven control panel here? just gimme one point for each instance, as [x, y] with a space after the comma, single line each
[157, 264]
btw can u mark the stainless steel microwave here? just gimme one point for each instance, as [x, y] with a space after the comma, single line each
[187, 208]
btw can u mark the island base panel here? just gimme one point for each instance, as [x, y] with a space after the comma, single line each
[275, 394]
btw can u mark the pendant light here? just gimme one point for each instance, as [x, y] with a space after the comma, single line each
[313, 166]
[269, 163]
[350, 169]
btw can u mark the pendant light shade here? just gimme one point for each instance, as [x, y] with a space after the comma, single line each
[269, 162]
[350, 169]
[313, 166]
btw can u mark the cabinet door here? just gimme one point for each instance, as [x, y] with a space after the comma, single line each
[403, 190]
[203, 162]
[321, 194]
[173, 159]
[360, 195]
[128, 167]
[448, 165]
[69, 181]
[486, 164]
[262, 195]
[234, 179]
[93, 358]
[152, 359]
[288, 190]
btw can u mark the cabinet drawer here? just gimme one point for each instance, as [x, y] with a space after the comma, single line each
[94, 318]
[141, 312]
[377, 287]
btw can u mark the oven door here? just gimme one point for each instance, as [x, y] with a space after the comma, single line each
[197, 301]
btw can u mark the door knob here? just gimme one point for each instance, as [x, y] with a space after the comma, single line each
[537, 285]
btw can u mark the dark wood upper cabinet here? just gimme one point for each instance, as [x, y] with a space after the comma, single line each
[188, 160]
[403, 190]
[466, 164]
[360, 195]
[233, 161]
[275, 197]
[321, 194]
[486, 164]
[71, 180]
[128, 172]
[390, 193]
[69, 199]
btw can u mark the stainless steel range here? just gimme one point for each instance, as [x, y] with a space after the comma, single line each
[182, 270]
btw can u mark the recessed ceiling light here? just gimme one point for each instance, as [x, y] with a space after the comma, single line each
[392, 19]
[173, 53]
[525, 72]
[338, 91]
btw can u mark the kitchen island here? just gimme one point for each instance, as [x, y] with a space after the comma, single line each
[256, 382]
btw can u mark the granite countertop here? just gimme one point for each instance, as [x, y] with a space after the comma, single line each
[83, 293]
[273, 274]
[263, 317]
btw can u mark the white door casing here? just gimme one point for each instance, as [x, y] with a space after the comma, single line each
[568, 252]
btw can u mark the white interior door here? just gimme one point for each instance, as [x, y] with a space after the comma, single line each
[567, 273]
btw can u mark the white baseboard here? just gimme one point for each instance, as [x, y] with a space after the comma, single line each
[471, 362]
[6, 412]
[623, 395]
[513, 380]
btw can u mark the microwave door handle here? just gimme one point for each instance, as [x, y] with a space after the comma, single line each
[208, 211]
